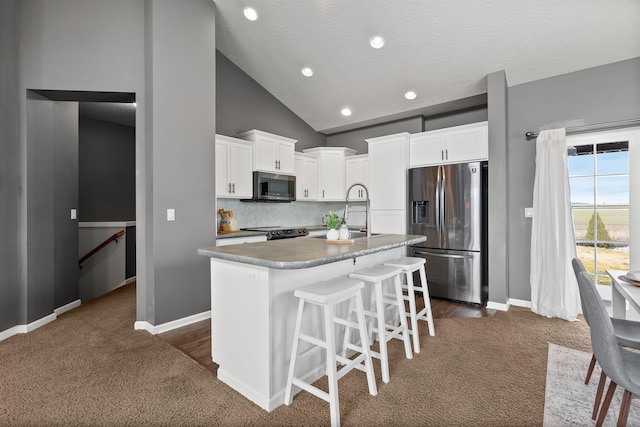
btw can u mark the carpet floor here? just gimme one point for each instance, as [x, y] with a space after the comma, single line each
[568, 400]
[89, 367]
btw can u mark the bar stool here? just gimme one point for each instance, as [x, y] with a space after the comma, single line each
[409, 265]
[375, 276]
[327, 295]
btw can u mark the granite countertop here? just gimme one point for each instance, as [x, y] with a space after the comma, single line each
[305, 252]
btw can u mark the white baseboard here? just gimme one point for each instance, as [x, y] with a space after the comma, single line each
[20, 329]
[498, 306]
[67, 307]
[510, 302]
[175, 324]
[519, 303]
[23, 329]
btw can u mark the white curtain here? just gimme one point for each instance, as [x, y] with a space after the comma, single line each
[554, 289]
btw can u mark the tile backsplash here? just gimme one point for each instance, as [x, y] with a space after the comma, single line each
[250, 214]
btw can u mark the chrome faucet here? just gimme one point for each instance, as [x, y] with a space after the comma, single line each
[368, 210]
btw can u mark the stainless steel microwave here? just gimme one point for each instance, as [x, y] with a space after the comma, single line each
[271, 187]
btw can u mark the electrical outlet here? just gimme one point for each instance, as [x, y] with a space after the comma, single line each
[528, 212]
[171, 214]
[253, 276]
[74, 214]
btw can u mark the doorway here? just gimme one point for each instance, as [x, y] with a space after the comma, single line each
[92, 151]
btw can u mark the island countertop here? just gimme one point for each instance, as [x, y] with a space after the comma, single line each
[305, 252]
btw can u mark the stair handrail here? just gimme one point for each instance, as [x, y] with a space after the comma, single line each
[100, 246]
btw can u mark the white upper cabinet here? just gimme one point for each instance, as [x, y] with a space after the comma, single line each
[331, 171]
[271, 153]
[450, 145]
[388, 162]
[306, 177]
[234, 159]
[357, 171]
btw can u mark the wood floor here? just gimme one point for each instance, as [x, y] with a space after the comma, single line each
[195, 340]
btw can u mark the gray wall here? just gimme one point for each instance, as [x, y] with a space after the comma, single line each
[456, 118]
[107, 171]
[355, 139]
[596, 95]
[164, 52]
[9, 289]
[181, 70]
[498, 253]
[244, 105]
[66, 195]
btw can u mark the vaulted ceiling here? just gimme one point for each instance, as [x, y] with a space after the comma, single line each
[440, 49]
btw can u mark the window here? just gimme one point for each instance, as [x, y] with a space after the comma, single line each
[599, 181]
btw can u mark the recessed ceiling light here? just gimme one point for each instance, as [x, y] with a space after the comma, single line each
[410, 95]
[306, 71]
[250, 13]
[345, 112]
[376, 42]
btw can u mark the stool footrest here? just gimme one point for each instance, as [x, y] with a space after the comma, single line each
[311, 389]
[313, 340]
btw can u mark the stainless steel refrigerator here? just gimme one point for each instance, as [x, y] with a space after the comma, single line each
[448, 204]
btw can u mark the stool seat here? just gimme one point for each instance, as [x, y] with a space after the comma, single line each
[378, 272]
[327, 295]
[409, 265]
[332, 290]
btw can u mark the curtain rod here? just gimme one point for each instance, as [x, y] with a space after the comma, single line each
[593, 128]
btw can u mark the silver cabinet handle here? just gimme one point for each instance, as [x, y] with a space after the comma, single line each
[447, 152]
[234, 188]
[229, 188]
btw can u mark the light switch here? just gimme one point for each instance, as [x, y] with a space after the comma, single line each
[74, 214]
[528, 212]
[171, 214]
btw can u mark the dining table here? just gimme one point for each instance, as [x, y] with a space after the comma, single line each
[623, 292]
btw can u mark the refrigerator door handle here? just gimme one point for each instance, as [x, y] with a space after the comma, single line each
[438, 227]
[441, 213]
[443, 255]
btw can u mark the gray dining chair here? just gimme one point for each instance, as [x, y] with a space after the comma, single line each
[620, 365]
[627, 334]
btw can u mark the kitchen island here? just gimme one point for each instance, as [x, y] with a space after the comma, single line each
[253, 310]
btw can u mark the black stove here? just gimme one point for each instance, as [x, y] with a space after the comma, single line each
[274, 233]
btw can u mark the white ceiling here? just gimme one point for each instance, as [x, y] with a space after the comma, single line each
[441, 49]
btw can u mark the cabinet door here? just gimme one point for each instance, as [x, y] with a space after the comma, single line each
[427, 148]
[389, 221]
[266, 154]
[240, 174]
[306, 179]
[331, 176]
[286, 158]
[223, 188]
[357, 171]
[388, 159]
[301, 179]
[467, 144]
[311, 179]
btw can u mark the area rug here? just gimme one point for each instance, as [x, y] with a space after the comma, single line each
[568, 400]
